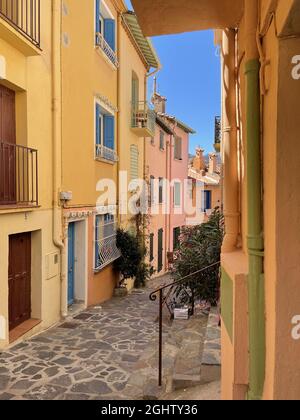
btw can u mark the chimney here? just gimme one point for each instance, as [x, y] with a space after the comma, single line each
[199, 161]
[158, 101]
[212, 163]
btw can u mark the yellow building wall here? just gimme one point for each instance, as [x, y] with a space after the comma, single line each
[87, 75]
[27, 71]
[130, 63]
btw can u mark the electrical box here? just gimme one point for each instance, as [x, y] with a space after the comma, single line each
[52, 265]
[66, 195]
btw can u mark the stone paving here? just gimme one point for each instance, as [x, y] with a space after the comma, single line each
[109, 352]
[212, 344]
[103, 353]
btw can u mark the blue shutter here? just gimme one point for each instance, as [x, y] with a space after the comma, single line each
[109, 132]
[209, 200]
[98, 8]
[98, 124]
[110, 33]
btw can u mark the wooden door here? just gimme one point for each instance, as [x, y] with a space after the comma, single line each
[19, 279]
[7, 146]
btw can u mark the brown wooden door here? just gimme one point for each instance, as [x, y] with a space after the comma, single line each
[19, 278]
[7, 146]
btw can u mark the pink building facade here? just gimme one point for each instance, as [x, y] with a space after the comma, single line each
[167, 159]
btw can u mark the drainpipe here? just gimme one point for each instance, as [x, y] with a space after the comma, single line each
[255, 224]
[229, 148]
[57, 158]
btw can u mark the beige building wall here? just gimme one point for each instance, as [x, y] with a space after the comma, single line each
[27, 70]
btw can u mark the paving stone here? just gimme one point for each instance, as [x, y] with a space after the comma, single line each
[91, 387]
[4, 381]
[31, 370]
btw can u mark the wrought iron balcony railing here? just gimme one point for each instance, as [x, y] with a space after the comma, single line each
[106, 153]
[24, 16]
[18, 175]
[106, 245]
[107, 50]
[143, 119]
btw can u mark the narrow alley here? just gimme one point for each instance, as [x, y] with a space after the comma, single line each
[103, 353]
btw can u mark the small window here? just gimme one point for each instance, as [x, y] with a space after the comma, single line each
[177, 194]
[178, 148]
[106, 31]
[134, 162]
[161, 190]
[162, 140]
[151, 246]
[135, 91]
[207, 200]
[176, 238]
[105, 135]
[106, 250]
[151, 191]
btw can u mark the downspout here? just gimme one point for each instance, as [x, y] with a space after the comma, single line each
[147, 76]
[230, 143]
[119, 117]
[57, 158]
[255, 226]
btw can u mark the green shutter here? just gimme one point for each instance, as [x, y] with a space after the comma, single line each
[160, 250]
[177, 194]
[134, 162]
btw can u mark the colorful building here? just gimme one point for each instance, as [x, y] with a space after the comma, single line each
[261, 160]
[29, 257]
[206, 186]
[167, 173]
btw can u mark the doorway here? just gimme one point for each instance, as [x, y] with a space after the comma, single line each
[19, 279]
[77, 263]
[7, 146]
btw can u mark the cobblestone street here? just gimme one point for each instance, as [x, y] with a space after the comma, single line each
[95, 355]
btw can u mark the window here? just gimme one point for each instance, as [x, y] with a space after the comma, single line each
[161, 190]
[151, 250]
[106, 250]
[177, 194]
[151, 191]
[178, 148]
[106, 31]
[160, 256]
[135, 95]
[206, 200]
[134, 162]
[162, 140]
[176, 238]
[105, 135]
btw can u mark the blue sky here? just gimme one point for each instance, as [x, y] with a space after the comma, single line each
[190, 79]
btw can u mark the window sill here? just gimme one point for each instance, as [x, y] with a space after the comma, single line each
[178, 160]
[107, 161]
[112, 65]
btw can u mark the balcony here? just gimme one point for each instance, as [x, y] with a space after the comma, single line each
[108, 52]
[143, 120]
[106, 154]
[18, 176]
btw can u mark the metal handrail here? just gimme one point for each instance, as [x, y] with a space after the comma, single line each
[162, 302]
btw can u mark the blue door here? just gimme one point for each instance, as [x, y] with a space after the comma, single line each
[71, 262]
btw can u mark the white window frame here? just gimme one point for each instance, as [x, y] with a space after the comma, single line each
[99, 149]
[105, 13]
